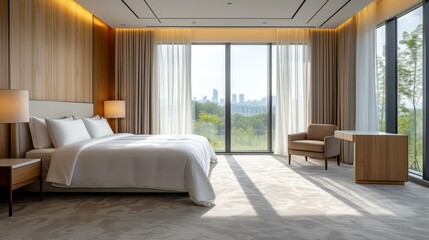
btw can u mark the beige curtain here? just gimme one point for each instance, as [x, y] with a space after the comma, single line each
[134, 78]
[323, 76]
[346, 117]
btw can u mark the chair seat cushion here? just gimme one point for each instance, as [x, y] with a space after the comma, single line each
[307, 145]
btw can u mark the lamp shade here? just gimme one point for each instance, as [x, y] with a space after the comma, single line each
[114, 109]
[14, 106]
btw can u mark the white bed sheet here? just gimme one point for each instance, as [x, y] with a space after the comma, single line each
[166, 162]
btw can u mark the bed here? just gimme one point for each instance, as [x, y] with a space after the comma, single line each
[121, 162]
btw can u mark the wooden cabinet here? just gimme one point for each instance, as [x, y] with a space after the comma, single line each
[16, 173]
[380, 158]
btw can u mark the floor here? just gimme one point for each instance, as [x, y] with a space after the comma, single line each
[258, 197]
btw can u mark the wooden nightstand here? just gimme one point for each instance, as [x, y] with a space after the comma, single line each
[19, 172]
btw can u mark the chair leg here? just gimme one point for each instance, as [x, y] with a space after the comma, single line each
[338, 160]
[306, 159]
[326, 163]
[289, 159]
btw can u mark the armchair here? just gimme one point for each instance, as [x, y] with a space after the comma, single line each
[318, 142]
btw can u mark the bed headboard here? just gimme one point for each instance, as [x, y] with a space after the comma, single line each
[20, 134]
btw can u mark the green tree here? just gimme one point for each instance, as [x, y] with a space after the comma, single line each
[381, 86]
[410, 89]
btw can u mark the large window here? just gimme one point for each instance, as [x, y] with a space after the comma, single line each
[230, 84]
[249, 105]
[410, 84]
[404, 90]
[381, 77]
[208, 93]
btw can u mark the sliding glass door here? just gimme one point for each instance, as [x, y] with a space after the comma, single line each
[249, 105]
[208, 93]
[232, 104]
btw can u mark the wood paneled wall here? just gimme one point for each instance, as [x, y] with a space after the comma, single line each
[104, 66]
[58, 51]
[51, 51]
[4, 70]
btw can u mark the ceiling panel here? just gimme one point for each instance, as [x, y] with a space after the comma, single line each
[139, 8]
[225, 8]
[224, 13]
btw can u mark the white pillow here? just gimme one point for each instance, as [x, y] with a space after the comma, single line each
[66, 132]
[39, 132]
[78, 117]
[97, 127]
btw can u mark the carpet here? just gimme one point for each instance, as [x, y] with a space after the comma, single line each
[258, 197]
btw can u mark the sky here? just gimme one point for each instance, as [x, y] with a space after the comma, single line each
[249, 70]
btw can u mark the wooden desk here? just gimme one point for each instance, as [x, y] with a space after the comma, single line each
[380, 158]
[16, 173]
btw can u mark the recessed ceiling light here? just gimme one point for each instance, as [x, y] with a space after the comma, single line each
[123, 25]
[194, 22]
[264, 22]
[229, 3]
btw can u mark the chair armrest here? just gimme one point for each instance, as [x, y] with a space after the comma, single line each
[297, 136]
[332, 146]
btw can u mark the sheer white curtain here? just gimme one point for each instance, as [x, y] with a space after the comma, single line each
[172, 82]
[366, 98]
[293, 68]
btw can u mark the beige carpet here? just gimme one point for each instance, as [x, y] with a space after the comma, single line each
[258, 197]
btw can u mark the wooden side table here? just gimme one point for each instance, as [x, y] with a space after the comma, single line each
[19, 172]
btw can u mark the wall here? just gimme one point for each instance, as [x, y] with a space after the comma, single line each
[104, 66]
[4, 70]
[58, 51]
[235, 35]
[51, 51]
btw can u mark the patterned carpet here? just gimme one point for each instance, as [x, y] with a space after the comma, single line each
[258, 197]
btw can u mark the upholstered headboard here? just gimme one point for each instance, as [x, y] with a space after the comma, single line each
[20, 134]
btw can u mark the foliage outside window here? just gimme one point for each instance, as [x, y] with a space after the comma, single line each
[410, 85]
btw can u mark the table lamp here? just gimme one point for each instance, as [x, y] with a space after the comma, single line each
[14, 108]
[114, 109]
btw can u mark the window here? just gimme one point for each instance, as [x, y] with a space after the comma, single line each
[235, 77]
[208, 93]
[381, 77]
[249, 105]
[410, 85]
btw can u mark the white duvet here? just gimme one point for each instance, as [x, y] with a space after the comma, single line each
[167, 162]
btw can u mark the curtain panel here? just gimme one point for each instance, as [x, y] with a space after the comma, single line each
[293, 65]
[366, 96]
[346, 72]
[133, 80]
[324, 76]
[172, 82]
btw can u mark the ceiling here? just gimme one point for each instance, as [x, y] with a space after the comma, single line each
[224, 13]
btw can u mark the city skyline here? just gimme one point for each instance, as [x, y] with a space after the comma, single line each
[241, 98]
[248, 71]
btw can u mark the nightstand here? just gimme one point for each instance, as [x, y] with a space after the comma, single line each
[19, 172]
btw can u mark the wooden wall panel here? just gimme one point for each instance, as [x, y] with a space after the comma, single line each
[104, 57]
[51, 51]
[4, 70]
[4, 44]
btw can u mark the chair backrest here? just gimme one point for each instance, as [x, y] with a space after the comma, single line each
[320, 131]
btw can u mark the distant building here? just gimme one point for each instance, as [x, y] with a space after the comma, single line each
[205, 99]
[215, 96]
[241, 98]
[222, 102]
[234, 98]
